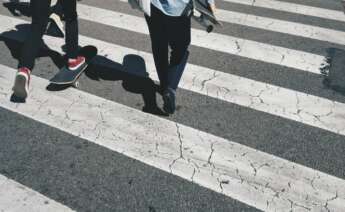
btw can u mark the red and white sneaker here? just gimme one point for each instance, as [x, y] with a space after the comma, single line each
[74, 64]
[21, 83]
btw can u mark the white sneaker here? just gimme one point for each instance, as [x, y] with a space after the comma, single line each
[21, 83]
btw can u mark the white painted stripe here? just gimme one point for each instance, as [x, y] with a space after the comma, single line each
[253, 177]
[295, 8]
[292, 28]
[287, 27]
[223, 43]
[17, 197]
[307, 109]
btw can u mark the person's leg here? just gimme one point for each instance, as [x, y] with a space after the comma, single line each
[57, 8]
[179, 43]
[72, 34]
[40, 12]
[159, 41]
[179, 40]
[55, 25]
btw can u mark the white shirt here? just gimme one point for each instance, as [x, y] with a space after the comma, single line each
[173, 7]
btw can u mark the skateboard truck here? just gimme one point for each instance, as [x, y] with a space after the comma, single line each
[203, 21]
[204, 15]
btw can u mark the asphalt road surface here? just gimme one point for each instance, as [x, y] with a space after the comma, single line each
[256, 128]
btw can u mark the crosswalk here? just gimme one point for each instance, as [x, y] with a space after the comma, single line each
[16, 197]
[215, 41]
[301, 9]
[224, 162]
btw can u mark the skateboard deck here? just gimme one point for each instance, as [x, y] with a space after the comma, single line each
[70, 77]
[204, 15]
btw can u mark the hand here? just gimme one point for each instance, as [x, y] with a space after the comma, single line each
[213, 7]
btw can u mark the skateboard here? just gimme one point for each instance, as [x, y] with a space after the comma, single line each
[142, 5]
[204, 15]
[71, 77]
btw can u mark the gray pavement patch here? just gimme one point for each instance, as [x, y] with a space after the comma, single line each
[290, 140]
[87, 177]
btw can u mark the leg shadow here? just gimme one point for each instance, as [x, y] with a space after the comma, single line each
[140, 82]
[16, 99]
[334, 70]
[134, 78]
[132, 71]
[14, 39]
[17, 8]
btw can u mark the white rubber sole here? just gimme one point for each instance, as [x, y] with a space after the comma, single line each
[20, 88]
[77, 67]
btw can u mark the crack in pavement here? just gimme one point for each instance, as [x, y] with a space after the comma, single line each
[179, 136]
[292, 204]
[329, 200]
[203, 83]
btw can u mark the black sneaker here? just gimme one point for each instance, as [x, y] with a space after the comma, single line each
[169, 96]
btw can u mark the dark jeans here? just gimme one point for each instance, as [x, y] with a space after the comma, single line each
[168, 31]
[40, 10]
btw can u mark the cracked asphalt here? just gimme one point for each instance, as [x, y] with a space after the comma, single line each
[89, 177]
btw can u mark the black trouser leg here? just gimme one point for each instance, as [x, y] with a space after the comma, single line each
[176, 32]
[175, 72]
[179, 33]
[40, 12]
[69, 8]
[58, 8]
[159, 42]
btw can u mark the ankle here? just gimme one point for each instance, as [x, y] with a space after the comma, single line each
[25, 70]
[170, 90]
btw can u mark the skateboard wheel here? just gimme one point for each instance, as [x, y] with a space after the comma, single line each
[76, 84]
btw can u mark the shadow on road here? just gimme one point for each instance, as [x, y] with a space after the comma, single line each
[333, 71]
[17, 8]
[132, 71]
[135, 79]
[13, 40]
